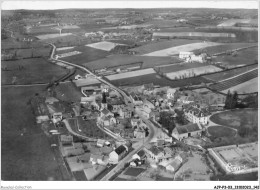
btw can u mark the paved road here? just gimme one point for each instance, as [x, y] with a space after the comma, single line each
[139, 145]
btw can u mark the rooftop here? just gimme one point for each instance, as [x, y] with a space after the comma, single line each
[119, 150]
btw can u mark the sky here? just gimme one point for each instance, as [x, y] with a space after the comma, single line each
[42, 5]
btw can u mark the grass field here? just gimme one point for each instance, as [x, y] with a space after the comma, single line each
[245, 57]
[28, 157]
[36, 70]
[176, 50]
[88, 54]
[221, 131]
[155, 46]
[232, 22]
[194, 34]
[236, 118]
[117, 60]
[224, 47]
[180, 67]
[230, 73]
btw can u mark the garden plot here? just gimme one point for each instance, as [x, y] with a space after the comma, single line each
[183, 48]
[131, 74]
[106, 46]
[48, 36]
[193, 72]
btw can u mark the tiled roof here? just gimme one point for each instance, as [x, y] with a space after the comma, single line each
[141, 153]
[188, 128]
[156, 150]
[119, 150]
[105, 111]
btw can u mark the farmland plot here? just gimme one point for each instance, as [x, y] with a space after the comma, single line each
[193, 34]
[193, 72]
[48, 36]
[232, 22]
[106, 46]
[183, 48]
[117, 60]
[151, 47]
[64, 48]
[131, 74]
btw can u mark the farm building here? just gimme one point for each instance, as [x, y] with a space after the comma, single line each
[139, 133]
[66, 139]
[100, 142]
[186, 99]
[196, 114]
[158, 154]
[56, 117]
[105, 112]
[135, 121]
[51, 100]
[118, 154]
[115, 104]
[185, 131]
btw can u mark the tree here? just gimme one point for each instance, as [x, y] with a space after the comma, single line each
[167, 121]
[180, 117]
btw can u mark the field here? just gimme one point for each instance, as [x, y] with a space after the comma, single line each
[42, 30]
[246, 87]
[180, 67]
[117, 60]
[88, 54]
[106, 46]
[182, 48]
[194, 34]
[224, 47]
[244, 57]
[236, 118]
[229, 83]
[155, 46]
[232, 22]
[129, 27]
[229, 73]
[131, 74]
[221, 131]
[28, 157]
[193, 72]
[158, 80]
[36, 70]
[48, 36]
[64, 48]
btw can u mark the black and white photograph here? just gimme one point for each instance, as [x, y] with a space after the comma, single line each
[125, 94]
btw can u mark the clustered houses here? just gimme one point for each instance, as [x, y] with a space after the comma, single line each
[191, 57]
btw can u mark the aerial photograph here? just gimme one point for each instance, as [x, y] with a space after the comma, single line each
[129, 94]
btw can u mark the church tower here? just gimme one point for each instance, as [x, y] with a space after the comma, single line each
[104, 101]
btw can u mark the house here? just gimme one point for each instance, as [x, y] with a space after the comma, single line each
[125, 112]
[105, 112]
[195, 114]
[139, 133]
[135, 121]
[107, 121]
[186, 99]
[137, 100]
[195, 58]
[51, 100]
[100, 142]
[148, 104]
[115, 104]
[173, 166]
[68, 151]
[56, 117]
[118, 154]
[156, 153]
[184, 55]
[145, 111]
[154, 115]
[95, 157]
[185, 131]
[136, 162]
[139, 155]
[170, 93]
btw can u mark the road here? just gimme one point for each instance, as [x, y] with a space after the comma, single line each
[137, 146]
